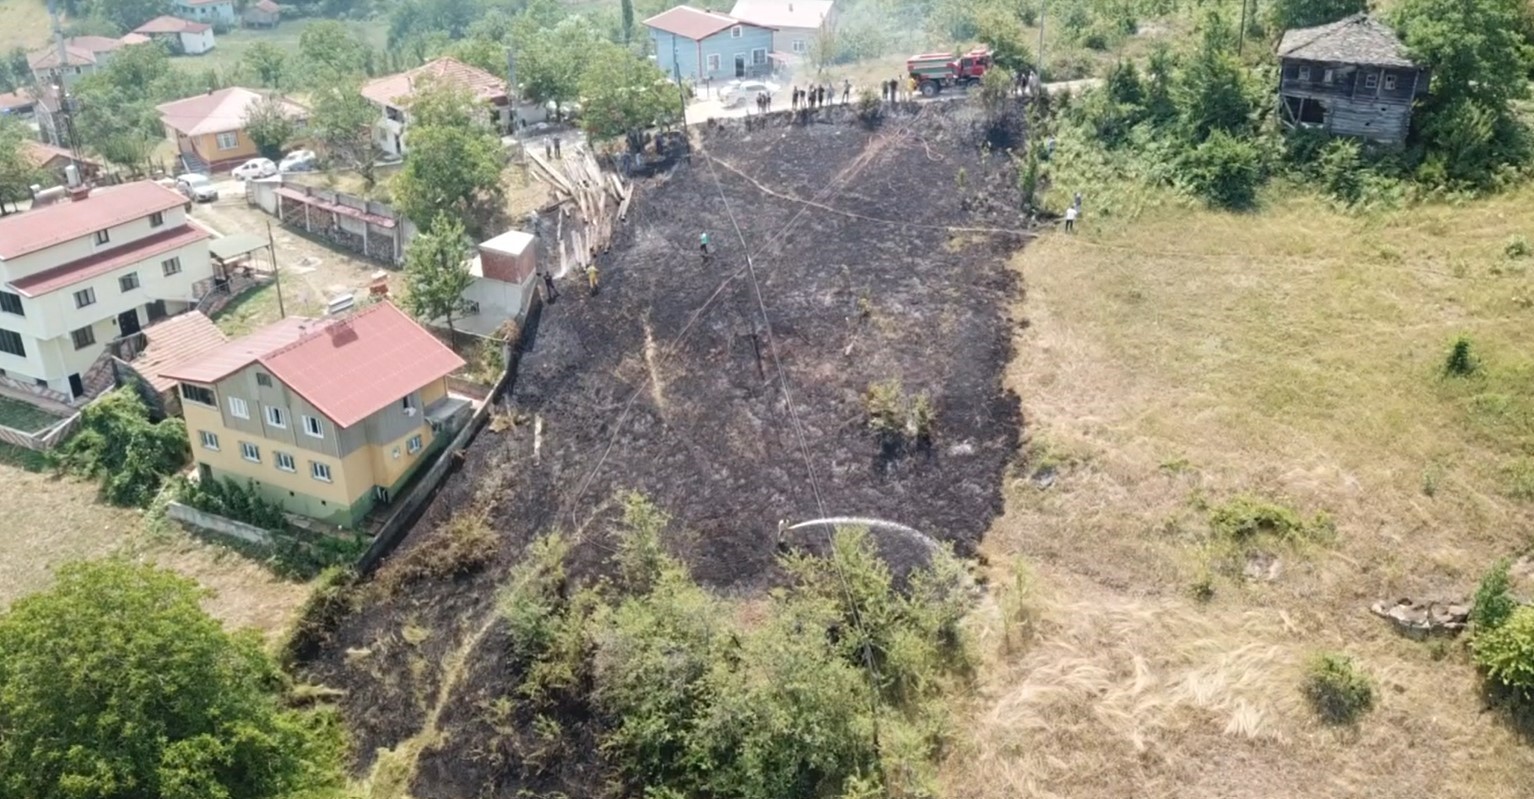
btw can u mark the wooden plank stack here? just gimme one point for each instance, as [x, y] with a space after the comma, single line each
[593, 200]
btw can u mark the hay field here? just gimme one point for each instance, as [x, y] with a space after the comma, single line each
[1172, 361]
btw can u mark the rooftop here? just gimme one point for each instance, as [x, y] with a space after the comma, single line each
[692, 23]
[40, 153]
[391, 89]
[347, 367]
[174, 341]
[30, 231]
[217, 112]
[170, 24]
[106, 261]
[80, 50]
[17, 99]
[783, 13]
[512, 242]
[1359, 39]
[202, 2]
[268, 6]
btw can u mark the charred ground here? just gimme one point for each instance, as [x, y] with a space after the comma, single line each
[880, 255]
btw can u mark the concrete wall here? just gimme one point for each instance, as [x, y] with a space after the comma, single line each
[218, 524]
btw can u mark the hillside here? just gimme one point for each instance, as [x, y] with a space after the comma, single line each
[26, 24]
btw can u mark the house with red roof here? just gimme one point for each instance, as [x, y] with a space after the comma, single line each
[698, 45]
[79, 274]
[210, 128]
[328, 417]
[181, 36]
[392, 95]
[77, 57]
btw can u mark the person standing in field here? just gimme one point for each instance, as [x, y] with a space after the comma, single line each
[846, 90]
[703, 243]
[591, 277]
[1070, 219]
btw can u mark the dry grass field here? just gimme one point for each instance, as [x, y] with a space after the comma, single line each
[26, 24]
[1171, 362]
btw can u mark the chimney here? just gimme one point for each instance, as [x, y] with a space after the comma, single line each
[78, 193]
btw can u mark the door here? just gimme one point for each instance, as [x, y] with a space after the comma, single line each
[76, 385]
[127, 322]
[740, 65]
[155, 310]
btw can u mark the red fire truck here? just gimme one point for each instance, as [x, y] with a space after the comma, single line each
[934, 72]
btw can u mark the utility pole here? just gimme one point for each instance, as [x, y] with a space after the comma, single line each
[681, 92]
[1241, 32]
[271, 249]
[1042, 5]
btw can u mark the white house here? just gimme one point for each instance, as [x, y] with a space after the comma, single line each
[219, 12]
[80, 55]
[795, 23]
[78, 274]
[505, 278]
[392, 94]
[183, 35]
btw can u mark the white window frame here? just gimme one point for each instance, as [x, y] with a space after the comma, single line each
[250, 452]
[1304, 73]
[1390, 82]
[284, 461]
[157, 219]
[74, 337]
[737, 32]
[413, 445]
[321, 472]
[238, 408]
[171, 266]
[714, 62]
[85, 296]
[798, 46]
[209, 440]
[124, 280]
[1327, 76]
[313, 426]
[231, 143]
[103, 236]
[759, 51]
[276, 417]
[1371, 80]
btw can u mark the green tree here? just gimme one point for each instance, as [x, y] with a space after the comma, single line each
[342, 122]
[545, 70]
[1214, 89]
[115, 683]
[451, 171]
[1494, 601]
[1224, 170]
[625, 95]
[1286, 14]
[17, 172]
[267, 62]
[628, 20]
[330, 53]
[269, 126]
[1002, 32]
[437, 272]
[1506, 651]
[118, 444]
[117, 115]
[129, 14]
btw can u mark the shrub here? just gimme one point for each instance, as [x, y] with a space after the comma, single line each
[118, 444]
[227, 498]
[1245, 518]
[1517, 247]
[464, 545]
[1506, 651]
[1461, 361]
[1340, 169]
[1224, 171]
[870, 110]
[898, 419]
[1494, 601]
[1337, 689]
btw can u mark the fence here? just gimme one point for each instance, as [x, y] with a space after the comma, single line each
[42, 440]
[398, 525]
[370, 229]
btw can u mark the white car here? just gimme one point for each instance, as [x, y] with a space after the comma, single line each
[255, 168]
[197, 188]
[298, 161]
[738, 94]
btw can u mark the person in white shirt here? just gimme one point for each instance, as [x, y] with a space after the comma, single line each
[1070, 219]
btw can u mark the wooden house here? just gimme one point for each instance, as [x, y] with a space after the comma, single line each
[1351, 77]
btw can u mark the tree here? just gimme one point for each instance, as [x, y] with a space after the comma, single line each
[453, 172]
[129, 14]
[342, 122]
[17, 172]
[437, 272]
[267, 62]
[1214, 88]
[625, 95]
[269, 126]
[1286, 14]
[115, 683]
[545, 69]
[117, 116]
[330, 52]
[1001, 32]
[628, 20]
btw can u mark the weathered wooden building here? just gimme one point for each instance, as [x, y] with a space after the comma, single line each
[1351, 77]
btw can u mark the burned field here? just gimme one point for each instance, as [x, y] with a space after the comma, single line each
[878, 257]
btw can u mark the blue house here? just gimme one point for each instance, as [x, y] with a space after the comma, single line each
[701, 45]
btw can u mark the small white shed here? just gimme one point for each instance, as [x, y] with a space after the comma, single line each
[505, 278]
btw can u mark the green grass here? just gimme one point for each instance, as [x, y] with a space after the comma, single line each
[26, 24]
[24, 416]
[249, 311]
[23, 458]
[230, 47]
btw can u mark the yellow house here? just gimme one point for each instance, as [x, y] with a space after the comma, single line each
[211, 127]
[327, 416]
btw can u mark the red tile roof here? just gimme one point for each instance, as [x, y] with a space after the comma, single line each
[107, 260]
[347, 368]
[170, 24]
[692, 23]
[218, 112]
[268, 6]
[17, 99]
[392, 89]
[40, 153]
[80, 50]
[175, 341]
[41, 228]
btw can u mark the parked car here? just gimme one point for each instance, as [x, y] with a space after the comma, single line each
[196, 187]
[255, 168]
[298, 161]
[738, 94]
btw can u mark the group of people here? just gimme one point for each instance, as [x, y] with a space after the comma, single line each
[891, 89]
[819, 95]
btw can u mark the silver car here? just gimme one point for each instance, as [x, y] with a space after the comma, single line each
[197, 188]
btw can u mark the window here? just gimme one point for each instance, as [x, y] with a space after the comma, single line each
[102, 237]
[319, 470]
[128, 282]
[797, 46]
[313, 427]
[156, 219]
[759, 56]
[264, 380]
[228, 140]
[407, 404]
[1326, 77]
[1304, 73]
[170, 267]
[285, 461]
[11, 303]
[275, 417]
[238, 408]
[11, 342]
[84, 337]
[198, 394]
[250, 452]
[1390, 83]
[209, 440]
[414, 444]
[713, 62]
[737, 32]
[1371, 80]
[85, 297]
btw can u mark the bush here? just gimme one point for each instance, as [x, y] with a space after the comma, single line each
[1506, 651]
[464, 545]
[1337, 689]
[1494, 601]
[1517, 247]
[227, 498]
[1246, 518]
[870, 110]
[1461, 361]
[1224, 171]
[118, 444]
[896, 419]
[1340, 169]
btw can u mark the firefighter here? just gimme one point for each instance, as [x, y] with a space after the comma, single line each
[703, 244]
[793, 99]
[846, 90]
[591, 277]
